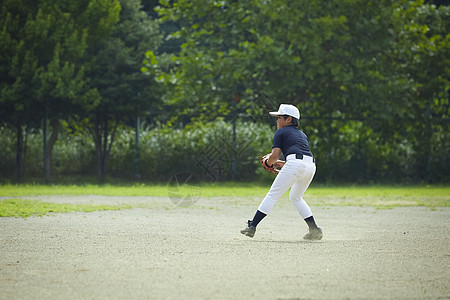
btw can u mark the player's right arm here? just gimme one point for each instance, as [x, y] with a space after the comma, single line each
[274, 158]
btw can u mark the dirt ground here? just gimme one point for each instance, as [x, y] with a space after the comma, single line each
[163, 251]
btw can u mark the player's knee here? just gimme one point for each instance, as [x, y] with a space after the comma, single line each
[295, 199]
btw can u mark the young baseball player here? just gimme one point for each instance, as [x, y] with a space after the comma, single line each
[296, 172]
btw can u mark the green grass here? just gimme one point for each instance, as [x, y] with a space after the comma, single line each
[382, 196]
[208, 190]
[26, 208]
[379, 196]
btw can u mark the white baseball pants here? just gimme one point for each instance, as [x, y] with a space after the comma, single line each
[296, 174]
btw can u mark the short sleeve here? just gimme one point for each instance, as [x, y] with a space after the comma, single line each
[277, 139]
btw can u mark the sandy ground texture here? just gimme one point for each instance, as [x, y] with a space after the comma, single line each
[160, 250]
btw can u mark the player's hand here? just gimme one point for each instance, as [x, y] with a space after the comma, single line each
[269, 168]
[279, 164]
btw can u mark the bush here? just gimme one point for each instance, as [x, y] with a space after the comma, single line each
[352, 153]
[7, 152]
[206, 151]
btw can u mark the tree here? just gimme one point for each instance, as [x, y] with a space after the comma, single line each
[17, 68]
[424, 57]
[115, 71]
[299, 51]
[346, 64]
[44, 42]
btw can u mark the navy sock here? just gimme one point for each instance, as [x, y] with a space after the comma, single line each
[311, 223]
[257, 218]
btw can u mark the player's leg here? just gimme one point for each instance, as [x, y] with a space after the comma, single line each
[305, 176]
[280, 185]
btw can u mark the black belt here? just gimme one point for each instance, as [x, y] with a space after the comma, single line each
[300, 156]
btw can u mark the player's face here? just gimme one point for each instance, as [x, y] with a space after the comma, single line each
[281, 122]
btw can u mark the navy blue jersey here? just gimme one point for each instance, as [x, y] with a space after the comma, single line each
[291, 140]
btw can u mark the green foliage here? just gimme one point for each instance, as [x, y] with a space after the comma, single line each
[206, 151]
[45, 43]
[74, 154]
[116, 64]
[115, 72]
[370, 78]
[7, 152]
[301, 52]
[383, 64]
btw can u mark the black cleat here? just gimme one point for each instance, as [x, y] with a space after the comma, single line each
[250, 230]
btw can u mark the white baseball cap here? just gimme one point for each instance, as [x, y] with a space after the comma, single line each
[288, 110]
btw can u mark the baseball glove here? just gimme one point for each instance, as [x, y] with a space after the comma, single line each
[271, 169]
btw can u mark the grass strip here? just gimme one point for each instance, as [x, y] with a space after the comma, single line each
[157, 190]
[218, 189]
[21, 208]
[381, 196]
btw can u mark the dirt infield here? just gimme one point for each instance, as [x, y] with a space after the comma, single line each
[162, 251]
